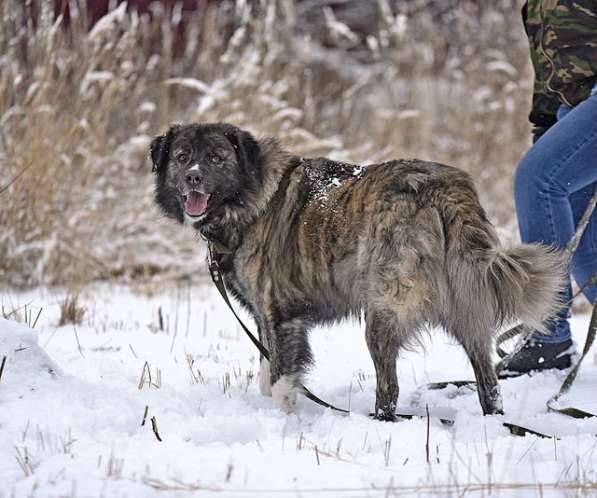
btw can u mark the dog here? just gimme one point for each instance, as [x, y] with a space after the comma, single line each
[308, 241]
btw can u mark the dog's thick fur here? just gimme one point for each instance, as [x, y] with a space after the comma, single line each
[314, 241]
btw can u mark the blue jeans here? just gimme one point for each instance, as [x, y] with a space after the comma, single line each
[553, 184]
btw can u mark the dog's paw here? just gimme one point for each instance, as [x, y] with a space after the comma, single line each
[265, 387]
[284, 394]
[385, 417]
[386, 413]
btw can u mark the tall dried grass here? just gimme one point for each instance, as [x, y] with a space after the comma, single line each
[78, 109]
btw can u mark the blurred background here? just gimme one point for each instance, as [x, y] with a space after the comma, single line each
[86, 84]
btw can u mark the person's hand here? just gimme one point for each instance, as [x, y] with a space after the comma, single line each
[538, 132]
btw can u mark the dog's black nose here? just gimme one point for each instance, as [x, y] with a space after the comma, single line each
[193, 177]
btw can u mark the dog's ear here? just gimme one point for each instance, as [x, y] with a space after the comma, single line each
[248, 152]
[160, 150]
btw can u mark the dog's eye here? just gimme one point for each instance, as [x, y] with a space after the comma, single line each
[214, 159]
[182, 157]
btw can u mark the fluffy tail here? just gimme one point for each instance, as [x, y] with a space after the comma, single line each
[491, 285]
[496, 286]
[525, 283]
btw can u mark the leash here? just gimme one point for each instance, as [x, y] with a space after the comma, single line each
[553, 402]
[215, 250]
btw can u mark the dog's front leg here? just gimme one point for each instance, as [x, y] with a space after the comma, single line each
[289, 355]
[265, 387]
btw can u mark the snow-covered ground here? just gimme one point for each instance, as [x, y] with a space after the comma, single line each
[72, 400]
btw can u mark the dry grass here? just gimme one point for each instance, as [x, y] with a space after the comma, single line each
[25, 314]
[70, 311]
[78, 110]
[568, 488]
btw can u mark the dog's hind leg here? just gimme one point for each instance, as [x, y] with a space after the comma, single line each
[289, 355]
[383, 341]
[478, 350]
[397, 294]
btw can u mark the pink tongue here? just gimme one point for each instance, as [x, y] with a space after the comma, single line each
[196, 203]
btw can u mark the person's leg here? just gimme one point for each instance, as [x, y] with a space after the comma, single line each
[582, 266]
[551, 185]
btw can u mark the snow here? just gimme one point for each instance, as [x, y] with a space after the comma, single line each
[72, 400]
[499, 65]
[192, 83]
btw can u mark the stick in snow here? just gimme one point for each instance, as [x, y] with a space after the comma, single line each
[2, 367]
[145, 415]
[154, 427]
[427, 441]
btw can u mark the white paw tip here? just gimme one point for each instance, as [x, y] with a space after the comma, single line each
[284, 394]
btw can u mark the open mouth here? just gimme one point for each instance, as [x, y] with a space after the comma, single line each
[195, 203]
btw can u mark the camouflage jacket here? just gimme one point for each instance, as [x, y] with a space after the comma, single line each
[563, 40]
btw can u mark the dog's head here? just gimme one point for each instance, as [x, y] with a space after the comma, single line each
[202, 169]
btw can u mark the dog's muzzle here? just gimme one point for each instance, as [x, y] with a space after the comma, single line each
[195, 203]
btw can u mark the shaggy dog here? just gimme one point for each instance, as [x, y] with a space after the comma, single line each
[307, 241]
